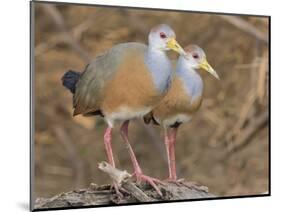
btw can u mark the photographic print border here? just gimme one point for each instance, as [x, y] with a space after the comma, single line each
[32, 103]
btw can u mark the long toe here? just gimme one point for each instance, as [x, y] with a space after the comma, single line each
[152, 181]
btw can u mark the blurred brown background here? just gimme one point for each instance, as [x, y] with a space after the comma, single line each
[224, 147]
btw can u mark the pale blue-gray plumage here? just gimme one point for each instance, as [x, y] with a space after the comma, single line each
[160, 67]
[192, 81]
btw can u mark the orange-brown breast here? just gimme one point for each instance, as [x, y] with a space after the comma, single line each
[177, 101]
[117, 80]
[132, 87]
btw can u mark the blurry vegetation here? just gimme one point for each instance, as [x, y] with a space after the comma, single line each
[224, 147]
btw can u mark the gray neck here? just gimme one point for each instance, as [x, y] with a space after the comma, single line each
[191, 79]
[160, 67]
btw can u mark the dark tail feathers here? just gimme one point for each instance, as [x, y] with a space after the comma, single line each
[70, 79]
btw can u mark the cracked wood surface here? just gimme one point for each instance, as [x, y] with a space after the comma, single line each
[132, 192]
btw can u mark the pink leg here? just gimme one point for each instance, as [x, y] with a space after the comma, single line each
[170, 140]
[124, 134]
[137, 170]
[108, 149]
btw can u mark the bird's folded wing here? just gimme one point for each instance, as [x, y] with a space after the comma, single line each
[89, 89]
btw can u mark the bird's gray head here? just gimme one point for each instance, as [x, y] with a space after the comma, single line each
[163, 37]
[195, 57]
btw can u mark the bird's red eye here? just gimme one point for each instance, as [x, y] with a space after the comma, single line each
[163, 35]
[195, 56]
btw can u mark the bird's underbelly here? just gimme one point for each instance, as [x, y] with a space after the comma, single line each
[126, 113]
[176, 119]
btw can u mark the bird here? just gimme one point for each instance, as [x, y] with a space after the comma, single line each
[183, 99]
[125, 83]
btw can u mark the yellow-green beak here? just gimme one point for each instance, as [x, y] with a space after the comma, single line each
[173, 45]
[207, 67]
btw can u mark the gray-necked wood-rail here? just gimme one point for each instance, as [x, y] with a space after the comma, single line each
[182, 100]
[124, 83]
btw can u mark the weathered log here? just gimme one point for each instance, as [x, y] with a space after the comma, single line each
[132, 192]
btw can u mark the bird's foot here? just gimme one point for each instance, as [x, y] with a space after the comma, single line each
[176, 181]
[152, 181]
